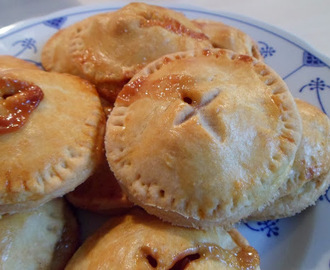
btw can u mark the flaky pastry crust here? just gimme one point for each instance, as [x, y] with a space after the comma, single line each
[224, 36]
[9, 62]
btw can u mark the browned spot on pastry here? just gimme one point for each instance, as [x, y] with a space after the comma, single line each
[245, 58]
[277, 101]
[290, 139]
[206, 52]
[167, 60]
[312, 172]
[255, 51]
[18, 100]
[219, 53]
[173, 26]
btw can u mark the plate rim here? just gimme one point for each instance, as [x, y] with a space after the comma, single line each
[91, 8]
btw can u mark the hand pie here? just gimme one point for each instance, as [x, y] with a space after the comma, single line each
[108, 49]
[100, 193]
[140, 241]
[59, 144]
[310, 174]
[227, 37]
[187, 133]
[44, 238]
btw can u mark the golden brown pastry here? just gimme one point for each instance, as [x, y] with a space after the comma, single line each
[51, 136]
[108, 49]
[8, 62]
[187, 133]
[100, 193]
[227, 37]
[44, 238]
[309, 177]
[140, 241]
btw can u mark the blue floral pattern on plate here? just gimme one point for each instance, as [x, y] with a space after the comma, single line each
[265, 49]
[311, 60]
[308, 60]
[326, 196]
[317, 85]
[270, 226]
[56, 23]
[25, 44]
[307, 75]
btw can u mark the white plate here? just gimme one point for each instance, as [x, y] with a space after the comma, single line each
[301, 242]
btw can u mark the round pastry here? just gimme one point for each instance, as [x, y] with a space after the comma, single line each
[227, 37]
[203, 138]
[140, 241]
[309, 177]
[51, 136]
[44, 238]
[100, 193]
[8, 62]
[108, 49]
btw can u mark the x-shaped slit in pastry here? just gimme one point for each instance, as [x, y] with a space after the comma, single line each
[193, 107]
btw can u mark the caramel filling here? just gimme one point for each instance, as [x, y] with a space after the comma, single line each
[245, 257]
[17, 101]
[167, 88]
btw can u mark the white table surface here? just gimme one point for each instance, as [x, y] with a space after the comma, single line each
[309, 20]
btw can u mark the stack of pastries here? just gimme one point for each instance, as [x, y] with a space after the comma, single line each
[173, 128]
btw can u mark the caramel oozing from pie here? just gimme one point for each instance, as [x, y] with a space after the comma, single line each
[17, 101]
[168, 88]
[245, 257]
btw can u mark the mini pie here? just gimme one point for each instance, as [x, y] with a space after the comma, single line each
[140, 241]
[59, 144]
[108, 49]
[227, 37]
[187, 133]
[44, 238]
[309, 177]
[100, 193]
